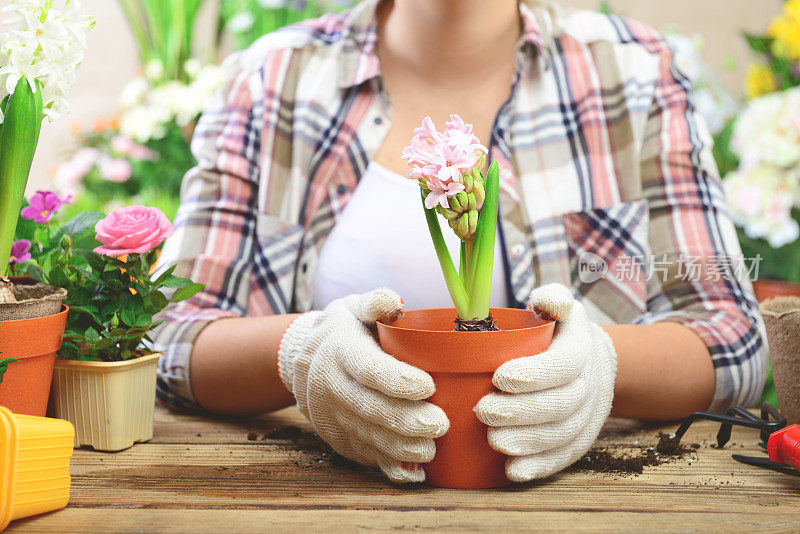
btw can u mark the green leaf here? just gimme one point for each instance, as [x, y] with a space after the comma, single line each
[189, 291]
[479, 285]
[4, 366]
[95, 261]
[174, 281]
[79, 228]
[58, 277]
[91, 334]
[20, 135]
[143, 320]
[35, 272]
[128, 316]
[158, 300]
[760, 45]
[457, 292]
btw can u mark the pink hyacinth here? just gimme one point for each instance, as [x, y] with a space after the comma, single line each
[43, 205]
[20, 251]
[441, 159]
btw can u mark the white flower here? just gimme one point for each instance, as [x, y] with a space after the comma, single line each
[144, 123]
[154, 70]
[192, 67]
[241, 22]
[133, 93]
[273, 4]
[761, 199]
[146, 110]
[768, 130]
[43, 45]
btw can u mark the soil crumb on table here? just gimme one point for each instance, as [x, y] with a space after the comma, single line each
[606, 460]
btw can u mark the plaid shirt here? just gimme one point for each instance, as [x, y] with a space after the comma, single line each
[602, 155]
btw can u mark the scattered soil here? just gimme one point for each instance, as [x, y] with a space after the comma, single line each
[602, 460]
[669, 445]
[475, 325]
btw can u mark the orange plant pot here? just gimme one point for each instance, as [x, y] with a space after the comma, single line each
[766, 288]
[33, 343]
[462, 364]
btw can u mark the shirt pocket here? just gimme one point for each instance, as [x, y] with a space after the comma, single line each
[609, 255]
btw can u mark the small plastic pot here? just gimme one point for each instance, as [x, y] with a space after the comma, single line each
[462, 364]
[111, 404]
[34, 465]
[33, 343]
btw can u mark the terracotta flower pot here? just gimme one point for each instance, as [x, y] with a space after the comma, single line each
[462, 364]
[33, 343]
[782, 321]
[767, 289]
[110, 403]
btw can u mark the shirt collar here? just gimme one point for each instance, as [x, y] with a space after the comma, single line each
[358, 58]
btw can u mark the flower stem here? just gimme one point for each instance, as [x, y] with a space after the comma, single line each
[454, 285]
[18, 140]
[479, 283]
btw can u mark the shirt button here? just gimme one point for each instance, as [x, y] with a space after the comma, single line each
[378, 120]
[517, 250]
[342, 189]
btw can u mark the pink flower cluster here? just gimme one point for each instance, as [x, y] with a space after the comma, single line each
[441, 159]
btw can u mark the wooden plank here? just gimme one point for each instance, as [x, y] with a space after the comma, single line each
[244, 474]
[78, 521]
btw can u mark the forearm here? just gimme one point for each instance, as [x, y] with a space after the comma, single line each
[234, 367]
[664, 371]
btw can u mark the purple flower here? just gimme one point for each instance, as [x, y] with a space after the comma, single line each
[20, 251]
[43, 205]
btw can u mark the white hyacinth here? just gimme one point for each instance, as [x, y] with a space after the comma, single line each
[43, 44]
[146, 110]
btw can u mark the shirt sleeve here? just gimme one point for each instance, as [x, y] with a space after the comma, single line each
[214, 241]
[698, 277]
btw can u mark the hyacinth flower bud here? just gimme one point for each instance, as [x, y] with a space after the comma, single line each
[466, 205]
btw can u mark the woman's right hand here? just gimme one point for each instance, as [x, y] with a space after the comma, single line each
[367, 405]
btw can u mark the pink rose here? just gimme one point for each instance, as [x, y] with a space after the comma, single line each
[132, 230]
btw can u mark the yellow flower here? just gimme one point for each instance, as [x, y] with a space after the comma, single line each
[785, 29]
[760, 81]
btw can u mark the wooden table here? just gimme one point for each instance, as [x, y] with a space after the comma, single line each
[272, 474]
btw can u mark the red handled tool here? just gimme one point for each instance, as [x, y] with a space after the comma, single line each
[781, 442]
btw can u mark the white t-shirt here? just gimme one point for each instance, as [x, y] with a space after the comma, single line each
[382, 240]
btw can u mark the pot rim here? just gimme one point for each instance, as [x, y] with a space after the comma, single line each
[447, 351]
[107, 366]
[544, 324]
[18, 322]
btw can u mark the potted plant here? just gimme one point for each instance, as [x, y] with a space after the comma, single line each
[40, 52]
[104, 380]
[758, 153]
[449, 168]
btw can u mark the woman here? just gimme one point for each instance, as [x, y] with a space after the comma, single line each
[608, 186]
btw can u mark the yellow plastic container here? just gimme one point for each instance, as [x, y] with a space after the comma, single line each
[34, 465]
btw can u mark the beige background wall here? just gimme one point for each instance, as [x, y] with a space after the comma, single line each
[111, 61]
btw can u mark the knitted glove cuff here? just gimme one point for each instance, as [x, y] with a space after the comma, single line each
[292, 341]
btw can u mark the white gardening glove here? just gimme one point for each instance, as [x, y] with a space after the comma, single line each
[364, 403]
[552, 405]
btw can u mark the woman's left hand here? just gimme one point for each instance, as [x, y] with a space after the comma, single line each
[552, 405]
